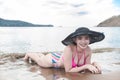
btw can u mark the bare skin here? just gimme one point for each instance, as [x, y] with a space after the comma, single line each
[82, 43]
[41, 59]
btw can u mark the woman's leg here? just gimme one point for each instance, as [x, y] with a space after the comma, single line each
[45, 61]
[41, 59]
[33, 56]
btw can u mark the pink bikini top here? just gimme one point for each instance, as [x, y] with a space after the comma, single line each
[79, 58]
[75, 64]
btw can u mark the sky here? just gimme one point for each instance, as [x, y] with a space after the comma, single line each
[65, 13]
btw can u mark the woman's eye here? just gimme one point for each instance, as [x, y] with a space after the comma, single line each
[79, 37]
[87, 38]
[83, 37]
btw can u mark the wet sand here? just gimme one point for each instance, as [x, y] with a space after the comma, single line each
[34, 72]
[12, 67]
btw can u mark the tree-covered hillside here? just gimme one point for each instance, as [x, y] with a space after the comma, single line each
[18, 23]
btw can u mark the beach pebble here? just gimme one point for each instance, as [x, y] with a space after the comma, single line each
[2, 62]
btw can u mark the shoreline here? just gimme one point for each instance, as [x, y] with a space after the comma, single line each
[97, 50]
[15, 56]
[101, 50]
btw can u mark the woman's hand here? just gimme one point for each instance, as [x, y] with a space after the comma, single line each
[97, 66]
[91, 68]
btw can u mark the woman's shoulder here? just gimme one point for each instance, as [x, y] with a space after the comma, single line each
[88, 50]
[70, 47]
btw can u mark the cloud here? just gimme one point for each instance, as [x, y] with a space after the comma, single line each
[56, 2]
[77, 5]
[59, 13]
[82, 13]
[1, 3]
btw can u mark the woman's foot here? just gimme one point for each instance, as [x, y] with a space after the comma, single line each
[26, 57]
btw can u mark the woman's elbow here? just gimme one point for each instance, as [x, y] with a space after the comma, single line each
[67, 70]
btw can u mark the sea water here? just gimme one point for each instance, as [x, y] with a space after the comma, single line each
[40, 39]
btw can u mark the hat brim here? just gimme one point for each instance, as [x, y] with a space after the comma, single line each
[94, 37]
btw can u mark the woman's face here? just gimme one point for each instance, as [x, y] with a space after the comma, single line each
[82, 41]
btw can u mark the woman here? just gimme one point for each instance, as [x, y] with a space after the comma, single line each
[76, 56]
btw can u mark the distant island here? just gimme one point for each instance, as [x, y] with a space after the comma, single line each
[114, 21]
[18, 23]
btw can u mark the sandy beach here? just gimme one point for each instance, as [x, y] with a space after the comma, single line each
[12, 67]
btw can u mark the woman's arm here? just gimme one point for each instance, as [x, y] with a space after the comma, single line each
[67, 58]
[89, 67]
[88, 55]
[88, 60]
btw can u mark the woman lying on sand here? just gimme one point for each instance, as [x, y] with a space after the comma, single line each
[76, 56]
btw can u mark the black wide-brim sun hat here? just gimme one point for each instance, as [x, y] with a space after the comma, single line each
[94, 36]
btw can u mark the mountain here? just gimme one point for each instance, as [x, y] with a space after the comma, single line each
[18, 23]
[114, 21]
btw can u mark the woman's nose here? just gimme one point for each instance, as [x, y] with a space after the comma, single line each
[83, 40]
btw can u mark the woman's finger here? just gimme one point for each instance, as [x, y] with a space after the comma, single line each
[99, 68]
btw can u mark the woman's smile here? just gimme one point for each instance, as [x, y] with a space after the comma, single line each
[83, 45]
